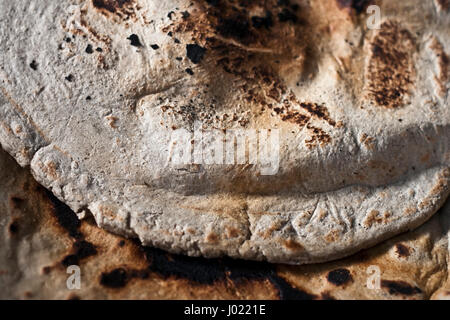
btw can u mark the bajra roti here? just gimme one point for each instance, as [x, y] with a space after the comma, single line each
[41, 237]
[94, 93]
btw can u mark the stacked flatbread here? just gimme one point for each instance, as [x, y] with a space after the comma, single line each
[40, 237]
[94, 94]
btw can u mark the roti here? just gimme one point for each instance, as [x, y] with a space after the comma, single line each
[294, 132]
[41, 240]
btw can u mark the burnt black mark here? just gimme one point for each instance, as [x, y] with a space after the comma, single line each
[400, 287]
[119, 277]
[65, 216]
[235, 20]
[89, 49]
[284, 3]
[116, 278]
[16, 202]
[82, 249]
[170, 14]
[198, 270]
[68, 220]
[189, 71]
[14, 227]
[195, 53]
[262, 22]
[70, 260]
[241, 270]
[195, 269]
[288, 292]
[236, 28]
[318, 111]
[154, 46]
[213, 2]
[339, 277]
[110, 5]
[69, 78]
[88, 98]
[33, 65]
[185, 14]
[287, 15]
[402, 250]
[99, 49]
[358, 5]
[210, 271]
[121, 243]
[134, 40]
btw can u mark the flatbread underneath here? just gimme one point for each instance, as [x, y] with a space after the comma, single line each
[40, 237]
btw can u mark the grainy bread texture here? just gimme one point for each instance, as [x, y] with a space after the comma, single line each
[94, 93]
[41, 237]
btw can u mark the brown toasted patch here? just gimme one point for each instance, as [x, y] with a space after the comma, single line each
[409, 211]
[269, 231]
[121, 8]
[440, 187]
[46, 270]
[374, 216]
[306, 110]
[425, 158]
[112, 121]
[368, 142]
[318, 137]
[73, 296]
[390, 71]
[318, 111]
[443, 4]
[212, 237]
[322, 214]
[108, 212]
[332, 236]
[231, 232]
[15, 202]
[191, 230]
[402, 250]
[443, 65]
[326, 296]
[293, 245]
[50, 169]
